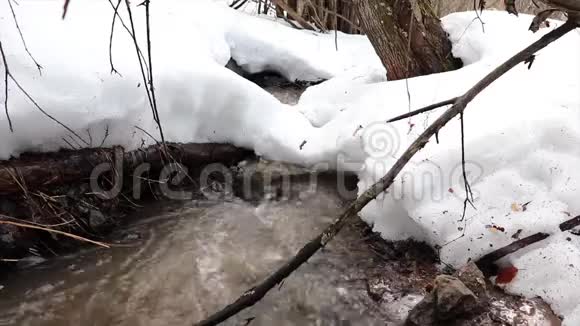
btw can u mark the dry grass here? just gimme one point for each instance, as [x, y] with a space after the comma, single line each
[7, 221]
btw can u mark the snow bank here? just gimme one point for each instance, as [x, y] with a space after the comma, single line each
[199, 100]
[522, 150]
[522, 133]
[522, 147]
[265, 45]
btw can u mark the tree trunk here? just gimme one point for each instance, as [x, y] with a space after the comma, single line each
[407, 36]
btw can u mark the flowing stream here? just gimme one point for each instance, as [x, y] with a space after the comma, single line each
[188, 259]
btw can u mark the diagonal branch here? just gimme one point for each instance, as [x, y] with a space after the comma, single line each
[38, 66]
[116, 12]
[65, 8]
[4, 220]
[253, 295]
[9, 77]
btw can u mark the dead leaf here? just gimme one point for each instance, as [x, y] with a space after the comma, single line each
[516, 207]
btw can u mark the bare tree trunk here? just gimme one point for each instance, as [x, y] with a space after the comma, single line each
[407, 36]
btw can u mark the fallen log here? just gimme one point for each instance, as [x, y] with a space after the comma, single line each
[46, 170]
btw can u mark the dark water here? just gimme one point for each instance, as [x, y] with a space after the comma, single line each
[193, 257]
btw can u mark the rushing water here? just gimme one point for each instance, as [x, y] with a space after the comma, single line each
[193, 257]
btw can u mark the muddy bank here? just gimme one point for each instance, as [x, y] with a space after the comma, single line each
[89, 192]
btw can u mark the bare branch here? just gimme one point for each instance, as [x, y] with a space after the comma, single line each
[4, 220]
[128, 30]
[424, 109]
[65, 8]
[253, 295]
[292, 13]
[468, 192]
[31, 99]
[238, 4]
[478, 16]
[38, 66]
[106, 135]
[115, 14]
[6, 74]
[146, 80]
[151, 84]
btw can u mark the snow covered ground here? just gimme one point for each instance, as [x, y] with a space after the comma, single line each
[522, 133]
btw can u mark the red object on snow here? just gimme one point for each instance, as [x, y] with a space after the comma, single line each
[506, 275]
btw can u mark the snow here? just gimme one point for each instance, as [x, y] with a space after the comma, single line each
[555, 268]
[522, 133]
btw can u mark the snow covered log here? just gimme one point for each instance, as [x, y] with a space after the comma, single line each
[33, 171]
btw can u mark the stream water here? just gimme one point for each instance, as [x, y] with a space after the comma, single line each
[188, 259]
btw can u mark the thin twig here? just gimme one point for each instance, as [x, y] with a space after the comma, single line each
[293, 14]
[106, 135]
[336, 25]
[478, 16]
[128, 32]
[6, 75]
[147, 81]
[38, 66]
[424, 109]
[255, 294]
[468, 192]
[31, 99]
[408, 63]
[137, 48]
[66, 234]
[115, 14]
[151, 84]
[355, 26]
[65, 8]
[242, 2]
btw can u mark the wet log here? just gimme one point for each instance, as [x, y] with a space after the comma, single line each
[46, 170]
